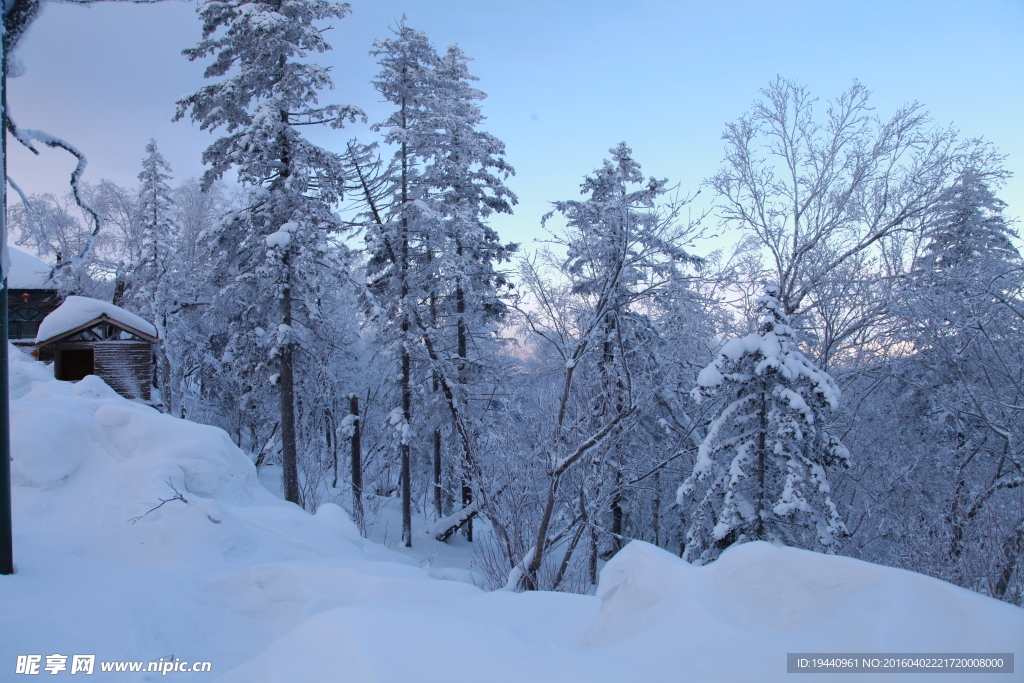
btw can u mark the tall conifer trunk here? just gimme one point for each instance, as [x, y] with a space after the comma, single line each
[462, 333]
[406, 360]
[356, 462]
[289, 456]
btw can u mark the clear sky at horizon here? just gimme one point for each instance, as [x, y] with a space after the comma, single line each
[565, 80]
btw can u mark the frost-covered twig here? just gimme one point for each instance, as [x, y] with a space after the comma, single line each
[177, 496]
[36, 223]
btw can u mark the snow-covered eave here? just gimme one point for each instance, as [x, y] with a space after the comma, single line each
[28, 273]
[100, 319]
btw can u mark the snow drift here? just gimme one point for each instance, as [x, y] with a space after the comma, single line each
[140, 536]
[736, 618]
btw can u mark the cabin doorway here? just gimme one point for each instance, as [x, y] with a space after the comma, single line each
[74, 364]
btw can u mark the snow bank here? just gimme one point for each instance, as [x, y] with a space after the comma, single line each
[28, 272]
[140, 536]
[23, 370]
[79, 310]
[736, 618]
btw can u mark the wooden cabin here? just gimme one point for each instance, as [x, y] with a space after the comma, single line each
[91, 337]
[31, 296]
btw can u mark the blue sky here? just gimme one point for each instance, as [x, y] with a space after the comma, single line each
[566, 80]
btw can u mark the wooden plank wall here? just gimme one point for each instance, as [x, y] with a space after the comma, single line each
[126, 366]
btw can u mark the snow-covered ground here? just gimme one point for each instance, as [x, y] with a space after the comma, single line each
[225, 572]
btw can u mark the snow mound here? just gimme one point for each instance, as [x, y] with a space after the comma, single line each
[28, 272]
[758, 602]
[79, 310]
[56, 427]
[140, 536]
[23, 370]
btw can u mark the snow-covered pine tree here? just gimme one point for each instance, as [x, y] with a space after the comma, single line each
[155, 208]
[761, 470]
[432, 254]
[969, 239]
[397, 231]
[273, 258]
[623, 248]
[963, 309]
[623, 245]
[464, 175]
[151, 279]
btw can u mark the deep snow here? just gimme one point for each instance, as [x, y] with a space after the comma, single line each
[267, 592]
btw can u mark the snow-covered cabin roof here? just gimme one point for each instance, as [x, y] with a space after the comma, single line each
[80, 311]
[28, 272]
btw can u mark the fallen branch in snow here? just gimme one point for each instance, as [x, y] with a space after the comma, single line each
[177, 496]
[515, 577]
[443, 528]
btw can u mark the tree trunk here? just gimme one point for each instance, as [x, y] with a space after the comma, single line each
[617, 517]
[406, 384]
[463, 350]
[289, 455]
[531, 574]
[1013, 548]
[656, 510]
[356, 462]
[592, 558]
[404, 448]
[758, 530]
[438, 500]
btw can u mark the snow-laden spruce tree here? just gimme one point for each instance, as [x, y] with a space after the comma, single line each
[399, 225]
[433, 257]
[761, 470]
[464, 172]
[969, 240]
[272, 261]
[963, 310]
[623, 249]
[152, 276]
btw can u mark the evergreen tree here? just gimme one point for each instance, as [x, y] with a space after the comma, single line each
[271, 258]
[152, 277]
[464, 175]
[761, 470]
[962, 312]
[623, 248]
[432, 255]
[396, 233]
[969, 239]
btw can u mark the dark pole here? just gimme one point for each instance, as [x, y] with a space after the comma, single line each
[6, 540]
[6, 534]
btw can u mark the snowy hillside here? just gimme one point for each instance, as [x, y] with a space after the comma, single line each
[139, 537]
